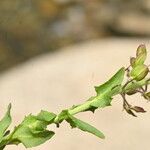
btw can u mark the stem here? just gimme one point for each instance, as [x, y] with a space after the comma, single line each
[80, 108]
[124, 100]
[33, 130]
[125, 88]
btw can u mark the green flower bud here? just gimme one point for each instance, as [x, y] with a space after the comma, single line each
[141, 50]
[139, 72]
[140, 59]
[147, 95]
[131, 92]
[141, 55]
[132, 61]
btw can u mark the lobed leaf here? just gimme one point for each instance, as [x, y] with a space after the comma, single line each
[46, 116]
[106, 91]
[115, 81]
[32, 131]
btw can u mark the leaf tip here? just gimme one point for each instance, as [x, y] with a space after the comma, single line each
[9, 106]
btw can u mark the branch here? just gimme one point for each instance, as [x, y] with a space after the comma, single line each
[32, 131]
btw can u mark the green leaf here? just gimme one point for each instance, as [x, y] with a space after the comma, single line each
[115, 81]
[30, 138]
[46, 116]
[74, 122]
[106, 91]
[5, 122]
[32, 131]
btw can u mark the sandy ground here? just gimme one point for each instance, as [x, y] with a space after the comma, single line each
[56, 81]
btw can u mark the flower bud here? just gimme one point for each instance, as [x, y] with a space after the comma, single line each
[141, 55]
[129, 111]
[131, 92]
[140, 59]
[138, 109]
[139, 72]
[132, 61]
[141, 50]
[147, 95]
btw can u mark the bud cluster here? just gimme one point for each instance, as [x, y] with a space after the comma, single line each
[139, 69]
[136, 72]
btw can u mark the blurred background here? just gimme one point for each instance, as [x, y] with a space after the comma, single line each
[32, 27]
[52, 54]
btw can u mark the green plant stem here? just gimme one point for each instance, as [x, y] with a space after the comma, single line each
[85, 106]
[124, 89]
[130, 86]
[81, 108]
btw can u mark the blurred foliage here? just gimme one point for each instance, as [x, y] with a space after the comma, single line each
[32, 27]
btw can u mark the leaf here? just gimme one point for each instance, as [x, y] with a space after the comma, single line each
[30, 138]
[74, 122]
[107, 90]
[32, 131]
[116, 80]
[46, 116]
[5, 122]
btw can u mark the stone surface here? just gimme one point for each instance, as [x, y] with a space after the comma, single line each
[57, 81]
